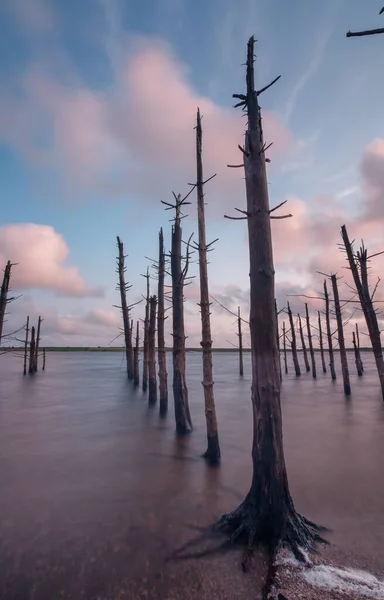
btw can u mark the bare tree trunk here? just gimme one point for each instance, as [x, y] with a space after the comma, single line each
[26, 346]
[152, 390]
[161, 352]
[136, 350]
[309, 334]
[123, 287]
[358, 346]
[212, 453]
[32, 346]
[267, 514]
[37, 343]
[44, 351]
[180, 390]
[321, 344]
[340, 333]
[357, 356]
[329, 333]
[4, 295]
[293, 343]
[145, 338]
[240, 335]
[304, 348]
[362, 288]
[278, 341]
[285, 349]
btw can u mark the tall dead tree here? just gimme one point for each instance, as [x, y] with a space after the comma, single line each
[321, 343]
[152, 388]
[240, 336]
[285, 350]
[267, 513]
[357, 356]
[303, 346]
[358, 263]
[340, 335]
[358, 345]
[329, 332]
[124, 287]
[278, 340]
[37, 343]
[367, 31]
[145, 337]
[179, 274]
[32, 346]
[293, 342]
[212, 453]
[44, 353]
[136, 350]
[26, 346]
[4, 295]
[310, 342]
[161, 352]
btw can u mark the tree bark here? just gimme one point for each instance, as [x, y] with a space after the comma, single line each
[4, 295]
[304, 348]
[240, 336]
[180, 390]
[161, 352]
[321, 343]
[293, 343]
[358, 346]
[145, 338]
[310, 343]
[362, 288]
[123, 287]
[357, 356]
[37, 343]
[267, 514]
[285, 350]
[340, 333]
[136, 351]
[329, 333]
[32, 347]
[26, 346]
[212, 453]
[152, 389]
[278, 341]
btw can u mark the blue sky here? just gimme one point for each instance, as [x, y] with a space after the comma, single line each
[86, 56]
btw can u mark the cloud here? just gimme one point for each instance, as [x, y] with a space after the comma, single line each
[32, 15]
[372, 169]
[41, 254]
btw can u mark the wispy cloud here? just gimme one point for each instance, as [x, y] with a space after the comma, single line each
[349, 191]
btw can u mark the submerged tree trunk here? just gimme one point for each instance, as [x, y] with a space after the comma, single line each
[240, 336]
[32, 346]
[358, 346]
[136, 350]
[37, 343]
[44, 352]
[145, 338]
[4, 295]
[340, 333]
[278, 341]
[329, 333]
[362, 288]
[212, 453]
[304, 348]
[309, 334]
[26, 346]
[357, 356]
[321, 344]
[285, 349]
[123, 287]
[161, 352]
[152, 389]
[180, 390]
[293, 342]
[267, 514]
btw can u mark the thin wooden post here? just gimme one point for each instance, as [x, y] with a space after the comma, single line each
[161, 351]
[357, 356]
[44, 351]
[321, 343]
[285, 349]
[340, 332]
[240, 336]
[152, 387]
[145, 337]
[303, 346]
[136, 350]
[32, 347]
[358, 346]
[26, 346]
[293, 343]
[329, 333]
[310, 343]
[37, 343]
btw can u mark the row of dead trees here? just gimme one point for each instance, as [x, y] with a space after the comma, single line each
[32, 348]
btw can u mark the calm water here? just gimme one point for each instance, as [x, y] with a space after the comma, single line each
[96, 489]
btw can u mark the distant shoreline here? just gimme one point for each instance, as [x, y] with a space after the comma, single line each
[121, 349]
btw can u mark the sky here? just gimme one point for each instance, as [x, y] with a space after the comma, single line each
[98, 104]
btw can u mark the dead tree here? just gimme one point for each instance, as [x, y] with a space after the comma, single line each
[4, 295]
[285, 350]
[278, 341]
[329, 333]
[240, 336]
[359, 368]
[310, 343]
[212, 453]
[340, 334]
[145, 337]
[32, 347]
[161, 352]
[293, 342]
[267, 514]
[367, 31]
[124, 287]
[26, 346]
[358, 263]
[304, 348]
[179, 274]
[44, 352]
[321, 344]
[136, 350]
[358, 345]
[37, 343]
[152, 388]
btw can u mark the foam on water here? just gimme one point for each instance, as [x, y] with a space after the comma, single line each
[360, 583]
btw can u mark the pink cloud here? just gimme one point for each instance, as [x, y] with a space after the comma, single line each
[41, 254]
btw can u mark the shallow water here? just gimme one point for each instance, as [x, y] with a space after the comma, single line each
[95, 487]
